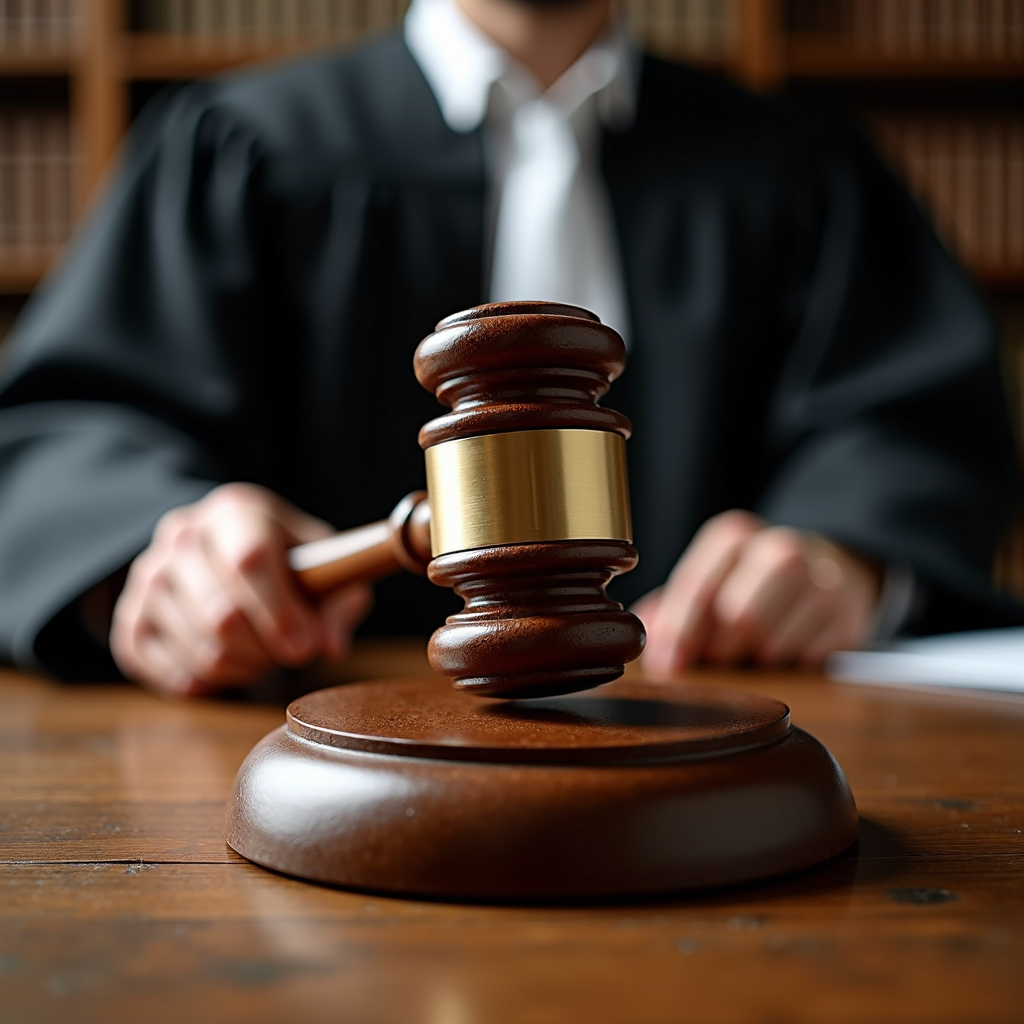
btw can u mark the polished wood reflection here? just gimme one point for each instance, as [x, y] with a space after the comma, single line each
[119, 900]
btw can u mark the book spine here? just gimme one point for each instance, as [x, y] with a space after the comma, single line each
[700, 27]
[967, 170]
[176, 21]
[7, 186]
[203, 21]
[966, 29]
[967, 199]
[916, 38]
[667, 25]
[1015, 196]
[864, 24]
[319, 22]
[719, 22]
[36, 207]
[992, 195]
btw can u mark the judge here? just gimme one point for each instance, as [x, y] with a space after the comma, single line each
[220, 367]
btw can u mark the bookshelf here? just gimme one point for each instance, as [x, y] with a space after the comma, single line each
[100, 48]
[938, 83]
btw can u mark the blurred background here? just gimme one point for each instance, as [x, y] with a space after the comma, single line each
[937, 84]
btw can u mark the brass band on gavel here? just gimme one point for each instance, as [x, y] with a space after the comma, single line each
[528, 486]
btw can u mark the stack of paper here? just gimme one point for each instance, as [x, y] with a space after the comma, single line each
[990, 659]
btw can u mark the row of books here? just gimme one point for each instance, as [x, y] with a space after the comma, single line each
[968, 171]
[675, 26]
[701, 28]
[226, 21]
[951, 28]
[940, 28]
[36, 184]
[38, 25]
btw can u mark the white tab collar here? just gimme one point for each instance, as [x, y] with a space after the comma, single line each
[461, 64]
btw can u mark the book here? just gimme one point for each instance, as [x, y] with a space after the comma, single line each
[36, 168]
[684, 28]
[244, 22]
[967, 172]
[944, 29]
[38, 26]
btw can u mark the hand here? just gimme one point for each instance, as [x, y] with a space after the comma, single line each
[212, 604]
[745, 591]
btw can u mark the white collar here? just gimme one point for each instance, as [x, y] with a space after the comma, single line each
[461, 64]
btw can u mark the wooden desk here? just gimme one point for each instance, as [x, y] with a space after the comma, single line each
[120, 902]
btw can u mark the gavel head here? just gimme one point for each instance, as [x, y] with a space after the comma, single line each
[529, 499]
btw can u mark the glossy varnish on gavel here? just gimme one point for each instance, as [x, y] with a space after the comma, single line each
[528, 516]
[402, 785]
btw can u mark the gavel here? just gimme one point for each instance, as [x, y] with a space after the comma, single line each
[526, 514]
[401, 785]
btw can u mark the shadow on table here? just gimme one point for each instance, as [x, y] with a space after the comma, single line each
[876, 857]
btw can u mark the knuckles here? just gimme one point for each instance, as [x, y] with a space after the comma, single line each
[213, 664]
[780, 558]
[237, 498]
[175, 526]
[782, 549]
[226, 621]
[250, 558]
[733, 526]
[240, 523]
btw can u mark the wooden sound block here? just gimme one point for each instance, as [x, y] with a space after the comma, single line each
[406, 786]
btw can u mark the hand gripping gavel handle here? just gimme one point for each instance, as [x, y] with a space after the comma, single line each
[402, 541]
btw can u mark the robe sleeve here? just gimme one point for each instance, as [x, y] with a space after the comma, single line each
[133, 382]
[888, 430]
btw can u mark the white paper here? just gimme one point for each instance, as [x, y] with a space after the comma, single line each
[990, 659]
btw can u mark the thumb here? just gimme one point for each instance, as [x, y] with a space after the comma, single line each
[298, 527]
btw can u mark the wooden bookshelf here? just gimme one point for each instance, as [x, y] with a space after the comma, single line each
[824, 57]
[156, 56]
[38, 64]
[762, 50]
[22, 277]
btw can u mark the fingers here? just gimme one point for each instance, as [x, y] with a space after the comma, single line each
[744, 591]
[341, 613]
[767, 580]
[212, 603]
[683, 619]
[141, 641]
[646, 608]
[200, 615]
[246, 545]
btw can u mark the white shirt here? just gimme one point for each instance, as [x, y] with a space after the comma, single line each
[550, 229]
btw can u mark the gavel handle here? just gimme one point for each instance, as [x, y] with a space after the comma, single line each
[402, 541]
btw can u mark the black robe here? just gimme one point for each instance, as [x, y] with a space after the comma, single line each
[245, 302]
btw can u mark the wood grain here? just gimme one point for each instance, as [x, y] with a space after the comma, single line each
[120, 902]
[537, 620]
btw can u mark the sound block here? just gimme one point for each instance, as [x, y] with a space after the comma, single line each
[407, 786]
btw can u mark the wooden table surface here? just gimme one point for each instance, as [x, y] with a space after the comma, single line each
[119, 900]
